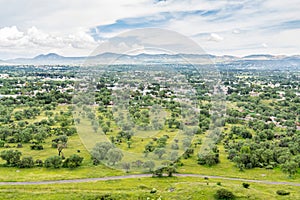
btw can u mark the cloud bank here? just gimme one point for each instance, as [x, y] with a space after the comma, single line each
[236, 27]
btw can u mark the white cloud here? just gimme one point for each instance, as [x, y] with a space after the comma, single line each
[35, 41]
[215, 37]
[236, 31]
[34, 26]
[10, 33]
[9, 36]
[264, 45]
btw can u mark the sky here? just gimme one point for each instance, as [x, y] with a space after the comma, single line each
[220, 27]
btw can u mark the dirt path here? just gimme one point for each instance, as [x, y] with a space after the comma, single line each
[144, 176]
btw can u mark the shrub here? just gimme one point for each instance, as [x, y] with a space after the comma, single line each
[36, 147]
[26, 162]
[224, 194]
[2, 143]
[219, 183]
[153, 191]
[73, 161]
[209, 158]
[53, 161]
[39, 163]
[12, 157]
[246, 185]
[282, 192]
[54, 145]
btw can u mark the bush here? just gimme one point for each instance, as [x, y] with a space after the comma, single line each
[282, 192]
[153, 191]
[26, 162]
[39, 163]
[209, 158]
[73, 161]
[12, 157]
[2, 143]
[36, 147]
[53, 161]
[246, 185]
[224, 194]
[219, 183]
[54, 145]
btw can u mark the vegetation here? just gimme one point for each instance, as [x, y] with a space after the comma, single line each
[50, 125]
[224, 194]
[165, 188]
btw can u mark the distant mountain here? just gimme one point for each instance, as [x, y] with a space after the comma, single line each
[44, 59]
[109, 58]
[259, 57]
[51, 56]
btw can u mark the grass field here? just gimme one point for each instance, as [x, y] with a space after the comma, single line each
[167, 188]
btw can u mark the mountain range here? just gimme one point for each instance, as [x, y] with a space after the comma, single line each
[114, 58]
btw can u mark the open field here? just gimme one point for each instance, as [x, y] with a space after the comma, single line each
[167, 188]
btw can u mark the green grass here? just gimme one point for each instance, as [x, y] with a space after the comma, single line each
[8, 174]
[167, 188]
[228, 169]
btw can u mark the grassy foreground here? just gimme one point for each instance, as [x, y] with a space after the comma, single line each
[167, 188]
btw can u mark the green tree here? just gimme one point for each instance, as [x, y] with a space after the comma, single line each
[126, 166]
[53, 162]
[149, 164]
[170, 170]
[73, 161]
[129, 144]
[105, 129]
[12, 157]
[208, 157]
[159, 152]
[26, 162]
[289, 167]
[114, 155]
[99, 151]
[2, 143]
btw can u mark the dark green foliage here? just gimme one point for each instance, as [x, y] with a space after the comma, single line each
[26, 162]
[12, 157]
[53, 162]
[36, 147]
[149, 147]
[73, 161]
[39, 163]
[282, 192]
[2, 143]
[153, 190]
[241, 131]
[188, 153]
[246, 185]
[223, 194]
[290, 167]
[209, 157]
